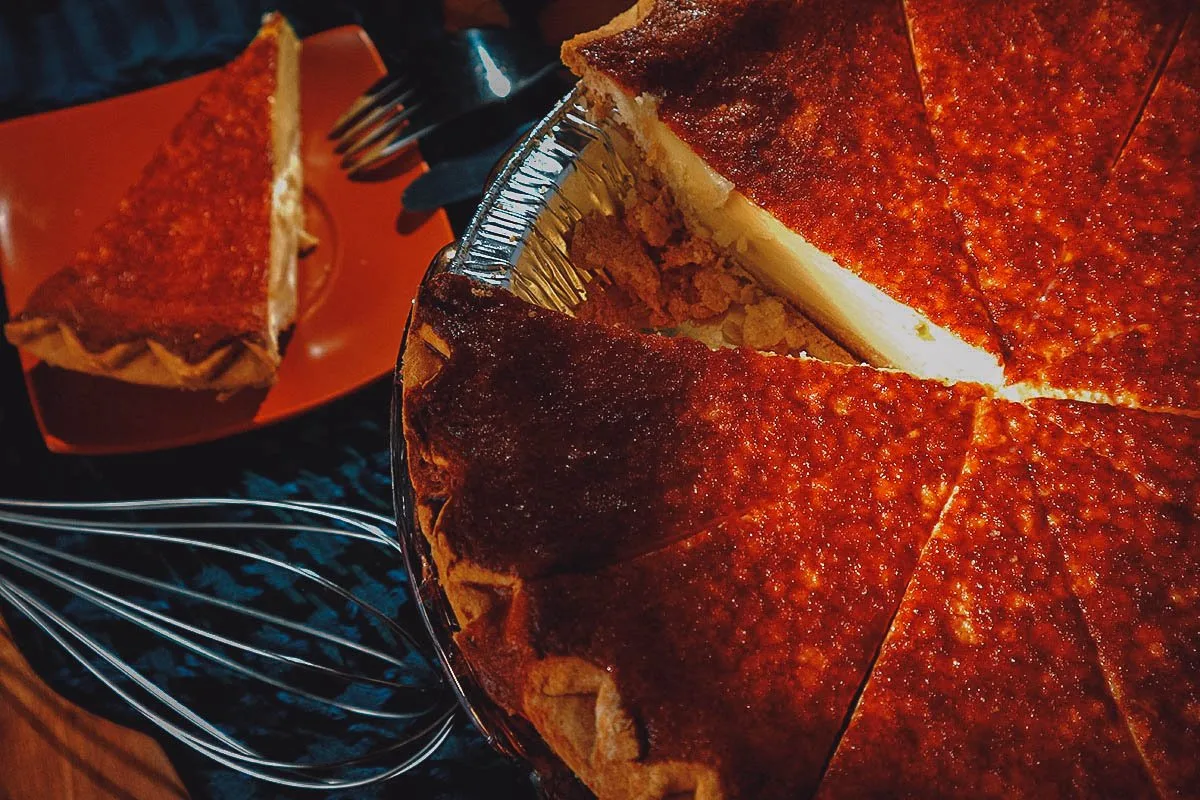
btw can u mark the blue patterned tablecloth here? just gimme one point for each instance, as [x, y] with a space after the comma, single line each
[63, 52]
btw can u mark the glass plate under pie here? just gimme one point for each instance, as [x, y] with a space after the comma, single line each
[61, 175]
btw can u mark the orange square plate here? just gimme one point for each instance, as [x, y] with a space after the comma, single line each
[63, 172]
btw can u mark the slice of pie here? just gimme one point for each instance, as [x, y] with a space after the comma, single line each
[988, 684]
[677, 563]
[1121, 322]
[794, 135]
[1120, 492]
[538, 443]
[723, 665]
[190, 283]
[1030, 105]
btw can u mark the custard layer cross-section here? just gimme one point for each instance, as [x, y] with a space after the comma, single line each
[794, 134]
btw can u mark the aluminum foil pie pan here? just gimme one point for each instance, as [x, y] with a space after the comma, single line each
[565, 167]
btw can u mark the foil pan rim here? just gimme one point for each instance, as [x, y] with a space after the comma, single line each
[519, 194]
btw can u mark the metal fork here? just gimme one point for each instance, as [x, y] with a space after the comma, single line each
[474, 69]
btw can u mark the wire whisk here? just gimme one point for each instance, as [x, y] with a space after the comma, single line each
[276, 618]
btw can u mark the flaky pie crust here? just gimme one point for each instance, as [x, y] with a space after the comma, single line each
[145, 361]
[574, 705]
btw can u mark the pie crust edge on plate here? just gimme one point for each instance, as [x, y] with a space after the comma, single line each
[147, 361]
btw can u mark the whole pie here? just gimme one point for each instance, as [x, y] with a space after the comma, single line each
[968, 567]
[192, 280]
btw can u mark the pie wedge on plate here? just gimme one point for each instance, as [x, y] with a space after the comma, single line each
[192, 280]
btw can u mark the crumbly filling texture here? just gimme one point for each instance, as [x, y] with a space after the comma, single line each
[653, 274]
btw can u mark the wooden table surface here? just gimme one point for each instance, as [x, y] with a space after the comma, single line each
[50, 748]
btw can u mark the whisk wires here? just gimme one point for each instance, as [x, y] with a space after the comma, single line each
[350, 671]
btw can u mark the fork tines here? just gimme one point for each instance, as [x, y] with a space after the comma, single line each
[380, 95]
[379, 124]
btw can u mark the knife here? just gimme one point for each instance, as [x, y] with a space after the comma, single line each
[460, 178]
